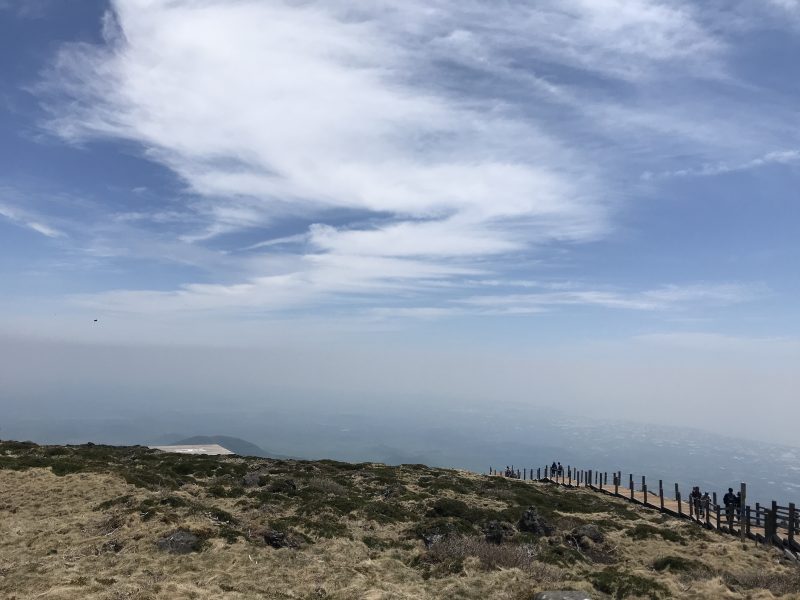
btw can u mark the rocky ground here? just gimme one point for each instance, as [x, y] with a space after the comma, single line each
[112, 523]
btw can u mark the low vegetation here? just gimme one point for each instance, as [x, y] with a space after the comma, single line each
[102, 522]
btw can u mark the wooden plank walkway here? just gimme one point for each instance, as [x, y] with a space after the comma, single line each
[717, 519]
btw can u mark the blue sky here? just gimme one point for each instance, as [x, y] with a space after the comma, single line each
[516, 176]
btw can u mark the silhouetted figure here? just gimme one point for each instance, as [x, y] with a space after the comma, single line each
[729, 500]
[705, 504]
[560, 470]
[694, 498]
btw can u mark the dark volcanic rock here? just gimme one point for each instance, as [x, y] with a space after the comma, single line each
[497, 532]
[532, 522]
[581, 534]
[429, 539]
[279, 539]
[283, 486]
[111, 546]
[391, 491]
[180, 542]
[563, 595]
[252, 479]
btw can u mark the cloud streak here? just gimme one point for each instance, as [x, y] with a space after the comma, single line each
[24, 219]
[412, 146]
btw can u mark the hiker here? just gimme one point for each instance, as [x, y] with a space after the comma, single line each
[694, 498]
[729, 500]
[705, 504]
[553, 470]
[560, 470]
[508, 471]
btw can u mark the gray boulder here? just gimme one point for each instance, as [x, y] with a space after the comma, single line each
[585, 533]
[532, 522]
[497, 532]
[279, 539]
[180, 542]
[252, 479]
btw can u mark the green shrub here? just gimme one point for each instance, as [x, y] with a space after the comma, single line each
[63, 467]
[619, 584]
[677, 564]
[644, 531]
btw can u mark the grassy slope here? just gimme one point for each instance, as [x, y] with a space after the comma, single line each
[82, 522]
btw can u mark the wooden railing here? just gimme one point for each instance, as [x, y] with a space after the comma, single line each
[773, 524]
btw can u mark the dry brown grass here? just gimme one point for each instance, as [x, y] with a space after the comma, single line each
[92, 536]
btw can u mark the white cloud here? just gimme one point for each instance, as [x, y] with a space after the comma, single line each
[663, 298]
[781, 157]
[272, 109]
[318, 279]
[22, 218]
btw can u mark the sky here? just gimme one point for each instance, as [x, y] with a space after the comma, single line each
[584, 204]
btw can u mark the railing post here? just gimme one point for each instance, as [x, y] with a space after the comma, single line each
[792, 523]
[644, 489]
[616, 485]
[630, 483]
[714, 497]
[742, 504]
[774, 518]
[758, 515]
[717, 510]
[771, 523]
[605, 477]
[661, 493]
[747, 520]
[678, 499]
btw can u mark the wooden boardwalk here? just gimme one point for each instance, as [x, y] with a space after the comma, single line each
[777, 525]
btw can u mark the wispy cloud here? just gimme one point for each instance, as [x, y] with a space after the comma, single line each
[416, 138]
[782, 157]
[24, 219]
[671, 297]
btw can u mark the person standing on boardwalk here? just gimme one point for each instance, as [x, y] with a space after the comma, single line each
[705, 504]
[694, 498]
[729, 500]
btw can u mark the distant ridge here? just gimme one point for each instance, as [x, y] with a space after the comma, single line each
[234, 444]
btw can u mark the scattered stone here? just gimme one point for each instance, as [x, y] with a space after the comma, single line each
[284, 486]
[532, 522]
[586, 534]
[279, 539]
[563, 595]
[497, 532]
[252, 479]
[111, 546]
[180, 542]
[390, 491]
[429, 539]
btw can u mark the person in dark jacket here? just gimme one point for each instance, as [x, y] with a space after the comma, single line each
[729, 500]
